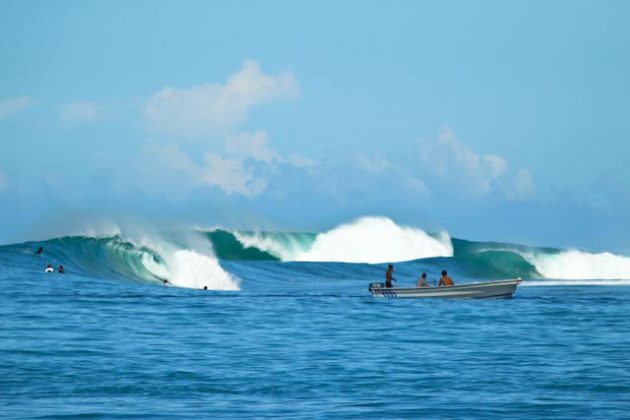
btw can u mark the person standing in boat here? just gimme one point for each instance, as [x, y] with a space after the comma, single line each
[422, 281]
[389, 276]
[445, 280]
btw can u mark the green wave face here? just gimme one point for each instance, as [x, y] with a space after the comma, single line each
[259, 246]
[496, 265]
[111, 256]
[227, 247]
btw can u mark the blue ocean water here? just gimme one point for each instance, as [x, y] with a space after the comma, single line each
[300, 339]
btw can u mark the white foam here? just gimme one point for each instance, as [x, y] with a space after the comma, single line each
[190, 266]
[576, 283]
[579, 265]
[282, 246]
[365, 240]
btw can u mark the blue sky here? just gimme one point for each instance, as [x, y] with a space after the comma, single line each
[494, 120]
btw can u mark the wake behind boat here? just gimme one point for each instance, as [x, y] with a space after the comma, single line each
[489, 289]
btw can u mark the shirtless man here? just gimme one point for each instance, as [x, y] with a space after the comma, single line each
[445, 280]
[422, 281]
[389, 276]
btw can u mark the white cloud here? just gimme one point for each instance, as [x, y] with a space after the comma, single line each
[451, 158]
[255, 146]
[300, 161]
[375, 165]
[231, 176]
[252, 145]
[12, 105]
[212, 108]
[172, 157]
[80, 112]
[210, 117]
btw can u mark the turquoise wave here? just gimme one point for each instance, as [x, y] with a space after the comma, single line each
[115, 256]
[101, 257]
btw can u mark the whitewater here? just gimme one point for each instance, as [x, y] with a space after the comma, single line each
[287, 327]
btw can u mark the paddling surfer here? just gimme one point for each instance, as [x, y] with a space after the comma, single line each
[445, 280]
[389, 276]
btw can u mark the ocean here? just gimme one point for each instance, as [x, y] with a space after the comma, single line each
[287, 327]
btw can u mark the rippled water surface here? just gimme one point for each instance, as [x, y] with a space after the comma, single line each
[307, 347]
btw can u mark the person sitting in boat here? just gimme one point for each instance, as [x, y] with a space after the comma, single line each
[389, 276]
[422, 281]
[445, 280]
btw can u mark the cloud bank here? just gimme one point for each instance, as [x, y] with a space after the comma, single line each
[14, 105]
[208, 144]
[213, 108]
[455, 164]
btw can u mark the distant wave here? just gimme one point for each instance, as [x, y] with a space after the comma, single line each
[365, 240]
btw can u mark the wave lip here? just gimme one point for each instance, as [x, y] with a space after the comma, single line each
[365, 240]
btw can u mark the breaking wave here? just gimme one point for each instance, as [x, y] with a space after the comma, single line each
[580, 265]
[149, 259]
[366, 240]
[198, 259]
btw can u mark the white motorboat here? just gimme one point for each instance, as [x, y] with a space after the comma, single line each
[488, 289]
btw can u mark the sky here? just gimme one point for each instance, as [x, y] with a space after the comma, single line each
[494, 120]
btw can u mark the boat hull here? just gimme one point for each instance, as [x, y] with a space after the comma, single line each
[490, 289]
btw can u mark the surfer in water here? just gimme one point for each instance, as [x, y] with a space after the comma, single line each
[389, 276]
[39, 251]
[49, 269]
[61, 270]
[445, 280]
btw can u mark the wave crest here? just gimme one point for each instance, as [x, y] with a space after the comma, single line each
[365, 240]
